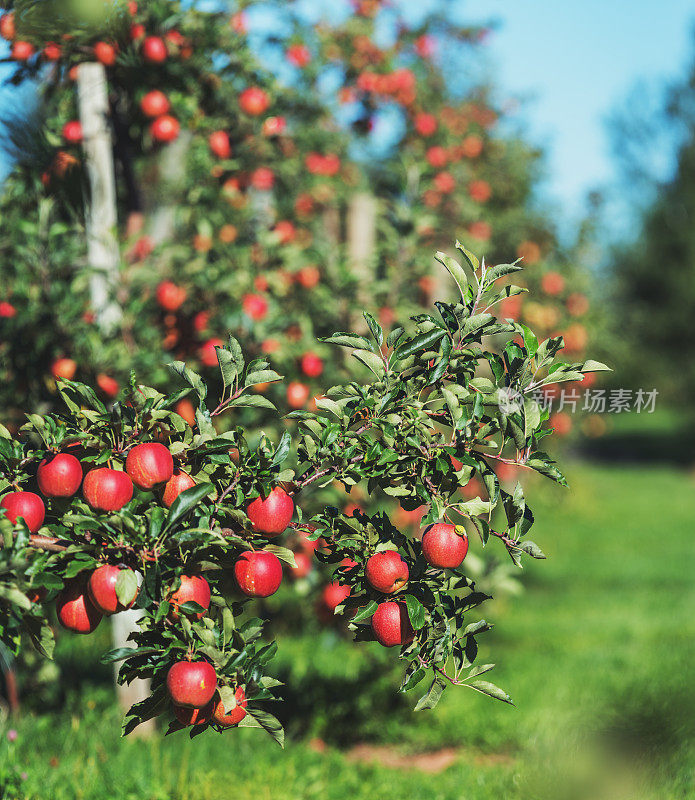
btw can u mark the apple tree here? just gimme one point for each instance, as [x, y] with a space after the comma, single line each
[110, 505]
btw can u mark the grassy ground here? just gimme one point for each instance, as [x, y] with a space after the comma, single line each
[597, 654]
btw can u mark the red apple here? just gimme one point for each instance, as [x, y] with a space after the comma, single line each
[334, 594]
[52, 52]
[254, 306]
[170, 296]
[273, 514]
[254, 101]
[24, 505]
[234, 716]
[391, 624]
[155, 104]
[105, 53]
[219, 144]
[102, 590]
[149, 464]
[64, 368]
[297, 394]
[179, 482]
[191, 684]
[72, 131]
[194, 589]
[165, 128]
[386, 572]
[312, 365]
[107, 489]
[22, 51]
[299, 55]
[59, 475]
[444, 546]
[154, 50]
[7, 27]
[207, 353]
[425, 124]
[7, 310]
[304, 565]
[258, 573]
[75, 610]
[193, 716]
[108, 385]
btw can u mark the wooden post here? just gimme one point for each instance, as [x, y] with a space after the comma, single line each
[104, 260]
[100, 213]
[361, 240]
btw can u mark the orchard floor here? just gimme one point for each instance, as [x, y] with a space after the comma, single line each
[597, 653]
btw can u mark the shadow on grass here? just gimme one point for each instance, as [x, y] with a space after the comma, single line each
[675, 447]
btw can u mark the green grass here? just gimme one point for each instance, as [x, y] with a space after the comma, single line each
[597, 655]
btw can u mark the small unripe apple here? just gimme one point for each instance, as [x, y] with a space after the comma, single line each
[149, 464]
[312, 365]
[170, 296]
[235, 716]
[59, 475]
[391, 624]
[165, 128]
[25, 505]
[191, 684]
[258, 573]
[444, 546]
[102, 590]
[179, 482]
[72, 131]
[273, 514]
[219, 144]
[155, 104]
[254, 101]
[107, 489]
[76, 611]
[386, 571]
[193, 588]
[154, 50]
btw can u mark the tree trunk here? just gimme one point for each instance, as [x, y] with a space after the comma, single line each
[104, 260]
[361, 239]
[101, 215]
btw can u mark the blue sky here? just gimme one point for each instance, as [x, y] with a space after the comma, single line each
[577, 59]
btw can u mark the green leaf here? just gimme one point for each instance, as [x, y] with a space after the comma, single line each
[472, 260]
[455, 270]
[484, 687]
[372, 361]
[228, 698]
[349, 340]
[256, 718]
[186, 501]
[499, 271]
[366, 611]
[252, 401]
[282, 450]
[126, 587]
[431, 697]
[192, 378]
[262, 376]
[416, 611]
[594, 366]
[374, 327]
[228, 368]
[420, 342]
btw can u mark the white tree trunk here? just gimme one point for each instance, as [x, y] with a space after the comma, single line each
[101, 216]
[361, 240]
[104, 260]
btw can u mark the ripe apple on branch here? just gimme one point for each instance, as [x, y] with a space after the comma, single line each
[424, 414]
